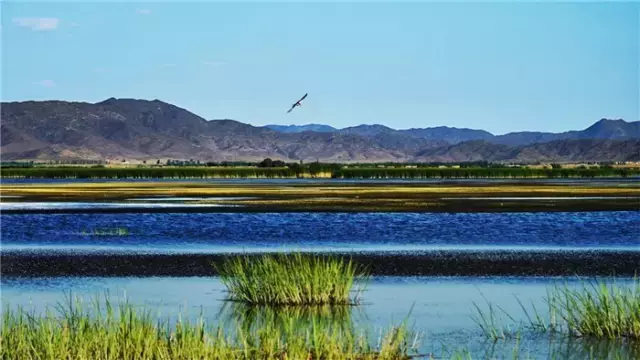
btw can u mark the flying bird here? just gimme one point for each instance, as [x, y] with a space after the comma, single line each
[297, 103]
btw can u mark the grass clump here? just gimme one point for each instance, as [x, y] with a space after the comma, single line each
[105, 332]
[597, 310]
[107, 232]
[290, 279]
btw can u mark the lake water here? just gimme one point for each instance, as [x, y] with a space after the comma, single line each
[441, 307]
[233, 232]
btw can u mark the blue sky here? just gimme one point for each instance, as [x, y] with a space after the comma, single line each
[496, 66]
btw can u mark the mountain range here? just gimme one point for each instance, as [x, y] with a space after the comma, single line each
[603, 129]
[143, 129]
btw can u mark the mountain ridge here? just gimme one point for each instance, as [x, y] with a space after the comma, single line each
[602, 129]
[150, 129]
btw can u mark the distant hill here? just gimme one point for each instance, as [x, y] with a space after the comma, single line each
[301, 128]
[603, 129]
[449, 134]
[369, 130]
[143, 130]
[568, 150]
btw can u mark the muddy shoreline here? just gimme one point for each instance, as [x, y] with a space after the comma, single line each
[375, 205]
[429, 263]
[329, 197]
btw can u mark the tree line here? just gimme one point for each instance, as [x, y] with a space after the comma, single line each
[311, 170]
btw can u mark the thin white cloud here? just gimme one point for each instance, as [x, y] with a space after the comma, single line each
[168, 65]
[214, 63]
[98, 70]
[143, 11]
[45, 83]
[37, 24]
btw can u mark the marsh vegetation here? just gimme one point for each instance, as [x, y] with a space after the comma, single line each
[329, 171]
[596, 310]
[119, 231]
[101, 331]
[296, 306]
[290, 316]
[291, 279]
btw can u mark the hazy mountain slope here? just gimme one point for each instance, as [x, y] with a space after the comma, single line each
[368, 130]
[580, 150]
[603, 129]
[449, 134]
[140, 129]
[571, 150]
[474, 150]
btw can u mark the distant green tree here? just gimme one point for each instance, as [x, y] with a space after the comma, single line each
[315, 168]
[295, 167]
[266, 163]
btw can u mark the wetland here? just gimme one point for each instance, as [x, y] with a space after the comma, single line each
[439, 255]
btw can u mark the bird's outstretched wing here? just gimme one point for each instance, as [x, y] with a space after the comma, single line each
[297, 103]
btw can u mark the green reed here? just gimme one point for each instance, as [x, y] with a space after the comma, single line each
[471, 173]
[141, 173]
[290, 279]
[598, 309]
[369, 171]
[595, 309]
[102, 331]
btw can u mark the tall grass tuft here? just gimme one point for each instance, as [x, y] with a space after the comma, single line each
[596, 310]
[290, 279]
[491, 322]
[599, 309]
[105, 332]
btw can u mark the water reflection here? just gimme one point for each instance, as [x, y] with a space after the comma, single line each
[302, 318]
[596, 349]
[441, 313]
[560, 347]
